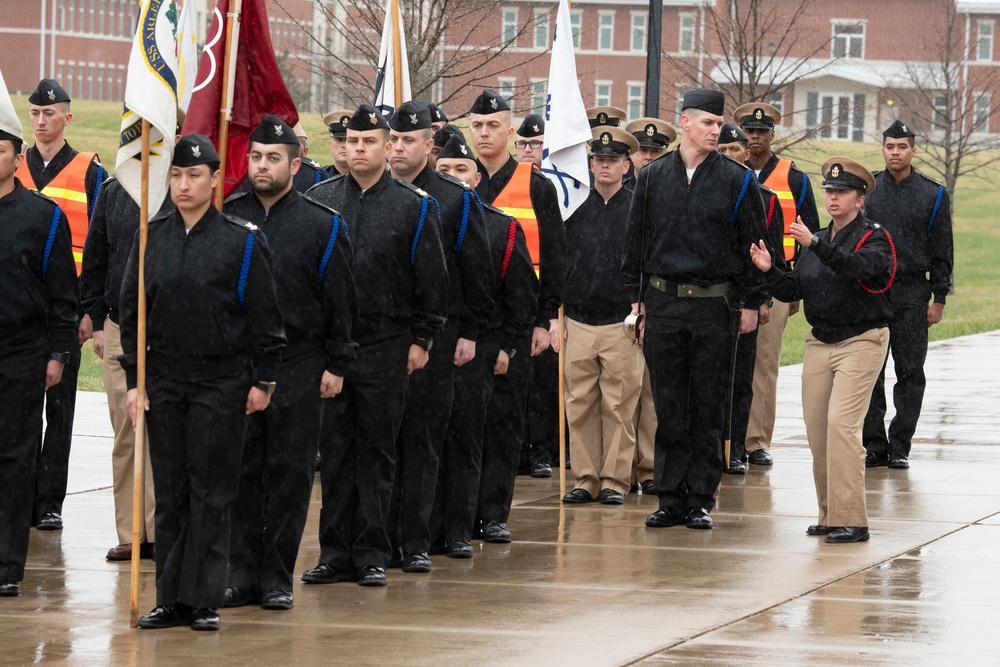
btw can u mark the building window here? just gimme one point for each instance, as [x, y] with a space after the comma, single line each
[61, 71]
[981, 113]
[539, 92]
[984, 41]
[848, 40]
[541, 28]
[638, 38]
[120, 84]
[508, 32]
[836, 115]
[576, 25]
[687, 33]
[602, 93]
[777, 100]
[636, 95]
[606, 31]
[940, 118]
[507, 84]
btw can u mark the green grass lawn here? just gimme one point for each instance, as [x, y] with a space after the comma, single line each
[973, 308]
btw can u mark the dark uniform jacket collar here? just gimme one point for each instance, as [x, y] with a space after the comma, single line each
[486, 188]
[286, 200]
[381, 183]
[846, 230]
[709, 159]
[769, 166]
[14, 194]
[891, 180]
[599, 198]
[204, 223]
[41, 174]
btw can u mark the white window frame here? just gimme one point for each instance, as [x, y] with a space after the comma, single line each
[638, 34]
[829, 128]
[605, 30]
[539, 87]
[508, 24]
[939, 111]
[637, 99]
[777, 100]
[599, 99]
[836, 33]
[507, 85]
[984, 41]
[576, 26]
[682, 18]
[541, 29]
[981, 125]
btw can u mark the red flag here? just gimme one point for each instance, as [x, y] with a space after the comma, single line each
[258, 90]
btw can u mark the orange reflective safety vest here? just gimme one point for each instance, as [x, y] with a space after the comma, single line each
[69, 190]
[778, 181]
[515, 199]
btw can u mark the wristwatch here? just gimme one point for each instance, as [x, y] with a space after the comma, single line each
[266, 387]
[815, 241]
[61, 357]
[426, 343]
[511, 352]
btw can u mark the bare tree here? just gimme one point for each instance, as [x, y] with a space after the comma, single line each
[445, 41]
[947, 98]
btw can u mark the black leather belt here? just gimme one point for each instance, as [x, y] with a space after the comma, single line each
[687, 291]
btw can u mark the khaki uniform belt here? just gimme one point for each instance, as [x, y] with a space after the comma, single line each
[686, 291]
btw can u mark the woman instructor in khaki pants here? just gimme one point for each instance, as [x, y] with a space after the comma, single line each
[841, 278]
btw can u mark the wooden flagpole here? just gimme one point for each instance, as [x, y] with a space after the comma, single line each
[397, 57]
[139, 465]
[562, 403]
[233, 17]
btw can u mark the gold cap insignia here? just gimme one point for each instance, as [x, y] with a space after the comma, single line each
[758, 114]
[344, 120]
[733, 132]
[835, 171]
[605, 138]
[602, 118]
[650, 130]
[372, 119]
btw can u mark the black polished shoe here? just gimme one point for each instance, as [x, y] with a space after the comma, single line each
[818, 529]
[325, 574]
[875, 460]
[166, 616]
[459, 550]
[899, 462]
[760, 457]
[736, 467]
[10, 589]
[205, 619]
[371, 575]
[698, 518]
[418, 563]
[541, 470]
[277, 600]
[49, 521]
[664, 518]
[578, 497]
[848, 534]
[240, 596]
[647, 488]
[611, 497]
[496, 533]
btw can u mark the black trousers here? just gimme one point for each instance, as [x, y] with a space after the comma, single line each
[688, 346]
[276, 478]
[503, 435]
[53, 448]
[908, 347]
[358, 445]
[22, 393]
[542, 439]
[461, 463]
[746, 357]
[420, 444]
[196, 432]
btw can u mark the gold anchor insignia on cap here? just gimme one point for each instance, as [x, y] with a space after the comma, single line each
[493, 103]
[650, 130]
[278, 130]
[372, 119]
[605, 138]
[196, 151]
[835, 171]
[534, 128]
[344, 120]
[602, 118]
[758, 114]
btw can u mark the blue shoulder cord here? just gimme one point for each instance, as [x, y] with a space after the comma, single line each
[937, 205]
[420, 228]
[50, 241]
[743, 192]
[329, 247]
[241, 286]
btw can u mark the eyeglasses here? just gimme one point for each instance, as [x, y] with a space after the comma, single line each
[525, 144]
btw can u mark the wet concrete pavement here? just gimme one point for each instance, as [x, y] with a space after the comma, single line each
[591, 585]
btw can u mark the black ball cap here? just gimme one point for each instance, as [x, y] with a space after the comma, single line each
[195, 149]
[437, 114]
[411, 116]
[48, 92]
[274, 130]
[712, 101]
[367, 118]
[446, 132]
[489, 101]
[898, 130]
[455, 148]
[730, 133]
[532, 126]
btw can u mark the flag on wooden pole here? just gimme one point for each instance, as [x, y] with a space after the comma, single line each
[392, 80]
[151, 94]
[187, 55]
[567, 131]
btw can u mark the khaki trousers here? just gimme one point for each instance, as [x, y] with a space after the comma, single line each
[837, 381]
[760, 428]
[644, 423]
[603, 379]
[123, 451]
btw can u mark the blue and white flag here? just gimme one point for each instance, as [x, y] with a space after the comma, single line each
[150, 93]
[567, 131]
[392, 63]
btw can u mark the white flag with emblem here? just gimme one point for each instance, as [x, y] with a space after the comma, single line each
[567, 131]
[187, 55]
[150, 93]
[392, 79]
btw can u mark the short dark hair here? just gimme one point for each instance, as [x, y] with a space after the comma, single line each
[912, 140]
